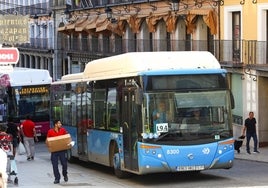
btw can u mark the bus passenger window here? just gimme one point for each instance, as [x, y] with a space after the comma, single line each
[100, 117]
[99, 106]
[112, 112]
[57, 110]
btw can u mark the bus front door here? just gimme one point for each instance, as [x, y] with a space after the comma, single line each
[130, 123]
[82, 140]
[84, 123]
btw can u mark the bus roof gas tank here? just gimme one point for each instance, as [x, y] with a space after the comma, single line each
[131, 64]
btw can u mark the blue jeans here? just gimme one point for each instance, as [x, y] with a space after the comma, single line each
[255, 139]
[55, 157]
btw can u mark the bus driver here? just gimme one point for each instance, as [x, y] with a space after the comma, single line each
[160, 115]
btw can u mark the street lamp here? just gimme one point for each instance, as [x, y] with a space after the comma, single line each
[109, 13]
[37, 22]
[35, 19]
[218, 2]
[67, 13]
[175, 5]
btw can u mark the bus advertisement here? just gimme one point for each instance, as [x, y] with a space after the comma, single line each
[25, 91]
[148, 112]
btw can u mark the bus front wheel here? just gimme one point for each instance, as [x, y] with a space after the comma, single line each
[117, 168]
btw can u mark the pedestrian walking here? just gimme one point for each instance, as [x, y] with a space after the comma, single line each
[3, 156]
[250, 129]
[58, 130]
[29, 137]
[14, 130]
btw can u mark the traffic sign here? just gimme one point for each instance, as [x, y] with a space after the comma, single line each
[9, 56]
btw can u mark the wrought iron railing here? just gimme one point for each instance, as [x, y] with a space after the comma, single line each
[249, 52]
[38, 43]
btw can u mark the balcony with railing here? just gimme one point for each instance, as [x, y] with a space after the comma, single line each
[42, 8]
[250, 53]
[38, 44]
[76, 5]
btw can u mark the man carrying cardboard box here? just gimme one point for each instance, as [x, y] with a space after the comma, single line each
[58, 131]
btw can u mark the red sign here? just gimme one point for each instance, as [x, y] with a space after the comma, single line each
[9, 55]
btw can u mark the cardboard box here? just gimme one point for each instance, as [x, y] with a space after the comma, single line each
[59, 143]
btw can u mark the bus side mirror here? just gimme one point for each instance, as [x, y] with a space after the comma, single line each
[138, 96]
[232, 100]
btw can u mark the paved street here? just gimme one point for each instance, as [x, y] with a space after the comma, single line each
[261, 157]
[38, 173]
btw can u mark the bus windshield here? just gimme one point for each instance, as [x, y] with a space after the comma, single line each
[186, 118]
[29, 100]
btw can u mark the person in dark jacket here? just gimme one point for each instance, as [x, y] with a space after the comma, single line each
[14, 130]
[250, 129]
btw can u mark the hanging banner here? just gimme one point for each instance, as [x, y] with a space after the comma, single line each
[14, 29]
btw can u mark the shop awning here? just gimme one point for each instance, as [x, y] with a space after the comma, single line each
[81, 24]
[91, 22]
[171, 21]
[153, 19]
[95, 24]
[134, 23]
[62, 29]
[103, 24]
[67, 28]
[209, 17]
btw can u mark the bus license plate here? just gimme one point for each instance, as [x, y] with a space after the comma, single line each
[190, 168]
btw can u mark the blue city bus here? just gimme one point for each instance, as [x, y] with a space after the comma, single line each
[109, 110]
